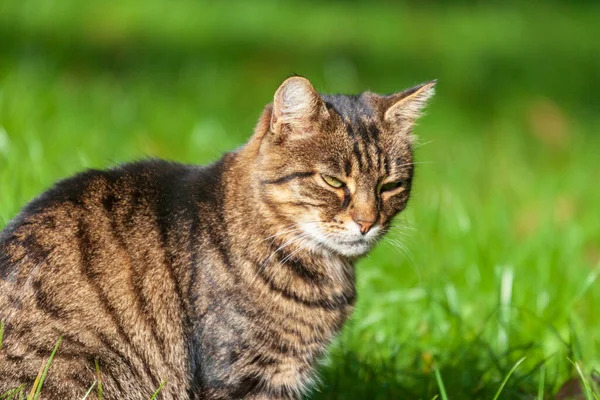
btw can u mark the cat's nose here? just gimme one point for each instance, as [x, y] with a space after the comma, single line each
[364, 225]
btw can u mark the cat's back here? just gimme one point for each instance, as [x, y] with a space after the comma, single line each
[125, 197]
[133, 208]
[102, 259]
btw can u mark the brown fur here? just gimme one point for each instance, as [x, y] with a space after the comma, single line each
[203, 276]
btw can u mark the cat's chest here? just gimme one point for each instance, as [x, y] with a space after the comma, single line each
[305, 313]
[264, 326]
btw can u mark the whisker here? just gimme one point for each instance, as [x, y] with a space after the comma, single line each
[397, 231]
[414, 163]
[421, 144]
[311, 241]
[398, 245]
[404, 226]
[288, 229]
[284, 245]
[291, 230]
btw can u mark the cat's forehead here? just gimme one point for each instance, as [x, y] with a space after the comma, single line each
[361, 122]
[357, 143]
[359, 117]
[352, 108]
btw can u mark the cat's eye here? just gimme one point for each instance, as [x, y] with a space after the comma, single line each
[387, 187]
[331, 181]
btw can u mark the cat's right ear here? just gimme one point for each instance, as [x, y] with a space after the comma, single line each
[296, 108]
[403, 109]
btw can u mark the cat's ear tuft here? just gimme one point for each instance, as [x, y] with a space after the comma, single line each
[296, 106]
[407, 106]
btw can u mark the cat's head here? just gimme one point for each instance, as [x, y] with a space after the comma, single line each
[336, 169]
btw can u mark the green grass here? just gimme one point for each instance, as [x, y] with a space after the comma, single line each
[500, 245]
[157, 392]
[98, 380]
[36, 390]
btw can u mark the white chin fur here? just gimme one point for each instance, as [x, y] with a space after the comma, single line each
[348, 250]
[353, 246]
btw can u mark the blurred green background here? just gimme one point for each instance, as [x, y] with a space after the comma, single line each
[498, 255]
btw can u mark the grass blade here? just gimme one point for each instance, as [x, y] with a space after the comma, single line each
[99, 380]
[438, 378]
[39, 381]
[507, 377]
[1, 333]
[540, 395]
[89, 391]
[589, 395]
[12, 392]
[154, 396]
[36, 383]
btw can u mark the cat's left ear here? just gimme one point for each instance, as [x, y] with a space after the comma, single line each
[296, 108]
[406, 107]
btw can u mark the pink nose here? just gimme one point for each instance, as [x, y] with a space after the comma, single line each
[365, 226]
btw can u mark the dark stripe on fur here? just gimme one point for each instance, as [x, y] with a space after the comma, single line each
[44, 303]
[247, 385]
[303, 203]
[86, 250]
[350, 130]
[358, 155]
[328, 303]
[36, 250]
[347, 198]
[347, 167]
[300, 270]
[287, 178]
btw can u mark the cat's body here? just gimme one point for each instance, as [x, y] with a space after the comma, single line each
[212, 279]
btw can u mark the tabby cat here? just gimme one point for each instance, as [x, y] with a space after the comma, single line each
[227, 281]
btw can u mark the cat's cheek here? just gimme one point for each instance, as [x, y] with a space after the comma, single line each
[394, 206]
[331, 215]
[309, 218]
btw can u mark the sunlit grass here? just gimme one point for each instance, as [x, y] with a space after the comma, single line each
[155, 394]
[36, 389]
[440, 383]
[98, 380]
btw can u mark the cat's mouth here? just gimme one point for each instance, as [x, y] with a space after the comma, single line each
[340, 243]
[349, 248]
[356, 242]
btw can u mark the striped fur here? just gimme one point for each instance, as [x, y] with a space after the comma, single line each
[227, 281]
